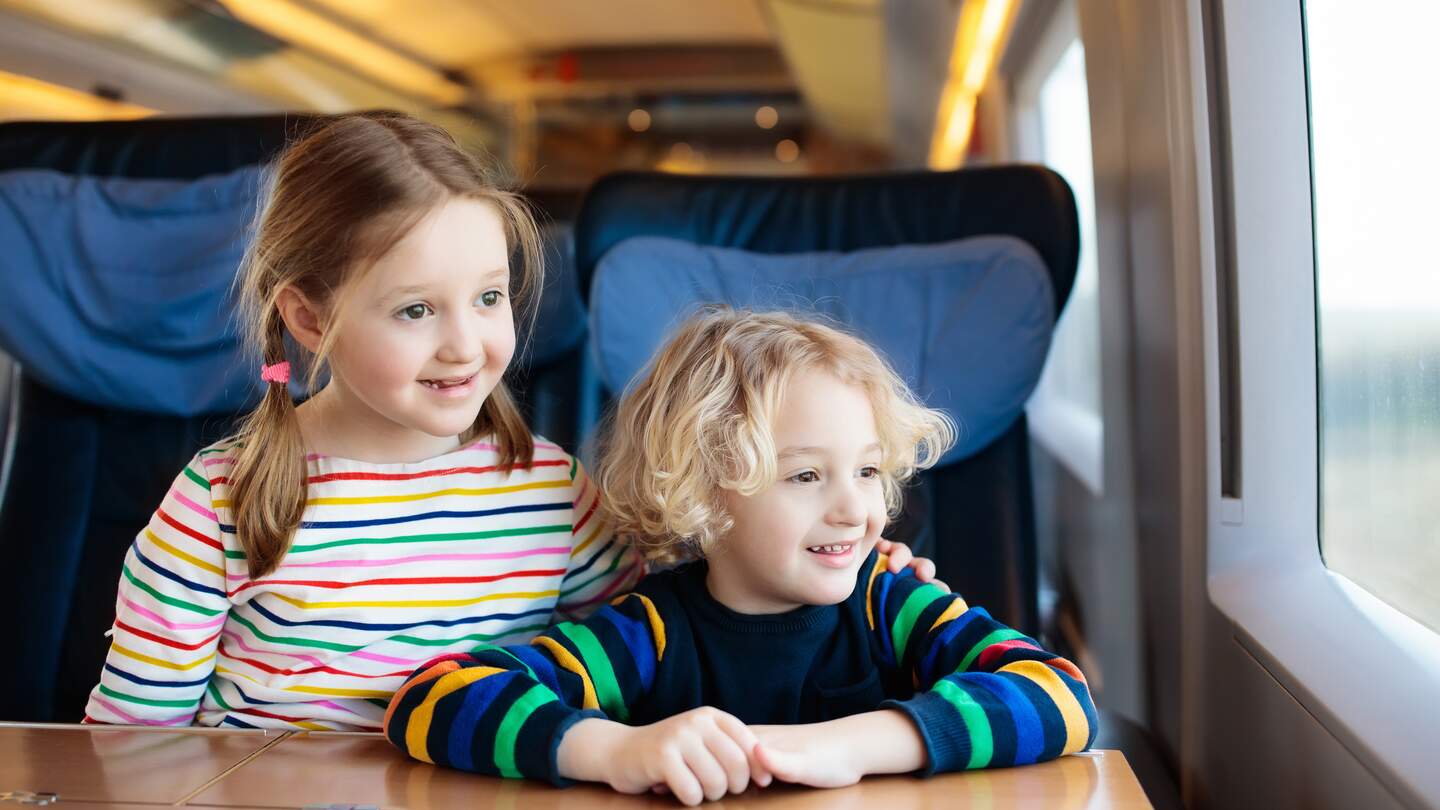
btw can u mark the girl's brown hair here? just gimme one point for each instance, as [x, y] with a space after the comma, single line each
[338, 198]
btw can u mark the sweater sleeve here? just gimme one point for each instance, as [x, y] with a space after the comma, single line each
[169, 611]
[985, 695]
[601, 565]
[502, 711]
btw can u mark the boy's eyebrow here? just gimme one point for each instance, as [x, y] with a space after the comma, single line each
[874, 447]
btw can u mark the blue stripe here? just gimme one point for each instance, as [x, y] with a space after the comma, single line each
[575, 572]
[1029, 730]
[638, 640]
[952, 629]
[174, 577]
[478, 697]
[229, 528]
[540, 665]
[230, 721]
[263, 611]
[882, 620]
[147, 682]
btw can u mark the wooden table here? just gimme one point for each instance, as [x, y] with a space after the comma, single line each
[96, 767]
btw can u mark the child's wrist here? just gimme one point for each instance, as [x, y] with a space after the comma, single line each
[586, 747]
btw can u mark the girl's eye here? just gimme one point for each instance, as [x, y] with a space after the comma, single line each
[490, 298]
[870, 471]
[806, 477]
[414, 312]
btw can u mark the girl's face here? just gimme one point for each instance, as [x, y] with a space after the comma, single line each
[801, 540]
[427, 334]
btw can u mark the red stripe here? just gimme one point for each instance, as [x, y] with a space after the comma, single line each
[209, 541]
[366, 476]
[999, 648]
[271, 715]
[317, 583]
[168, 642]
[331, 670]
[215, 482]
[586, 519]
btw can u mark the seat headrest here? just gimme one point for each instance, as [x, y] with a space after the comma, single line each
[966, 323]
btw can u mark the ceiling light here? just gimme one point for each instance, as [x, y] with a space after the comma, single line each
[639, 120]
[978, 36]
[766, 117]
[22, 97]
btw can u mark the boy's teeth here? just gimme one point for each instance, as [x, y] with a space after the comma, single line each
[829, 549]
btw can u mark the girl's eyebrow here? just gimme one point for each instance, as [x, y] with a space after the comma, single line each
[498, 274]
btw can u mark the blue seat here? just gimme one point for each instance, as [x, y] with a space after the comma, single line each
[974, 513]
[121, 243]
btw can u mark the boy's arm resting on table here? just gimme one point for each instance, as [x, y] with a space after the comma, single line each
[169, 611]
[986, 695]
[601, 565]
[503, 711]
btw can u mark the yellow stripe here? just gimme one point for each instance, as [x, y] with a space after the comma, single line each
[419, 726]
[880, 562]
[571, 663]
[657, 627]
[160, 662]
[221, 504]
[956, 609]
[310, 690]
[307, 605]
[1076, 729]
[175, 552]
[594, 533]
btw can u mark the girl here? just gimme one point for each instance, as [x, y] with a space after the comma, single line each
[768, 451]
[296, 573]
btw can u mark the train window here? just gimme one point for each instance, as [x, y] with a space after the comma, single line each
[1378, 316]
[1053, 123]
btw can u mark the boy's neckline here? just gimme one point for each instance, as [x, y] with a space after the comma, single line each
[805, 617]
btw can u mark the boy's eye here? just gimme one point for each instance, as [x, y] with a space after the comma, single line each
[414, 312]
[870, 471]
[806, 477]
[490, 298]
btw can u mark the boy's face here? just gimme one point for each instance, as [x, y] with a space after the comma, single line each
[429, 330]
[801, 540]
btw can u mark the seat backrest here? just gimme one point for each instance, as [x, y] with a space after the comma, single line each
[122, 239]
[974, 513]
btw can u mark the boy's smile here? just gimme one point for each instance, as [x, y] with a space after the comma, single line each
[801, 540]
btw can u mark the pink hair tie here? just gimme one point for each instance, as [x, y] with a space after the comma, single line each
[278, 373]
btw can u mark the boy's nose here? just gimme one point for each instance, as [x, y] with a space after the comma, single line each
[847, 508]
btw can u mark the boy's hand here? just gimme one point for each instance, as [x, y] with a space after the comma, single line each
[807, 755]
[900, 557]
[700, 754]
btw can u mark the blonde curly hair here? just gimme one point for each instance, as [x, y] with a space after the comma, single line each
[698, 421]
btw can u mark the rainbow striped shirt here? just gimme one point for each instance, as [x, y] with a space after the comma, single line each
[981, 694]
[392, 565]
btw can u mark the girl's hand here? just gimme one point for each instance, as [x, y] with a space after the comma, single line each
[700, 754]
[807, 755]
[900, 557]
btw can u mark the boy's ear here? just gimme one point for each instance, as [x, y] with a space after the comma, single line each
[301, 318]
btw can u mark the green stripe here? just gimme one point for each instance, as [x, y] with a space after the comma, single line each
[915, 604]
[995, 637]
[298, 642]
[215, 693]
[574, 465]
[982, 740]
[178, 704]
[510, 726]
[189, 473]
[615, 563]
[213, 450]
[169, 600]
[418, 538]
[482, 637]
[602, 673]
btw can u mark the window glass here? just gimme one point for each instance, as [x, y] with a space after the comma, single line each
[1371, 68]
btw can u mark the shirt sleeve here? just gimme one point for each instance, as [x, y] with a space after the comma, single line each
[601, 565]
[502, 711]
[985, 695]
[169, 610]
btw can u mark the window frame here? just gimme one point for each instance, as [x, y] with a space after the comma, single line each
[1359, 666]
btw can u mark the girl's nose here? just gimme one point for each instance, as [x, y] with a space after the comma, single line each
[462, 343]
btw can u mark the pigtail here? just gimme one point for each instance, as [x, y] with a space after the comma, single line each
[267, 483]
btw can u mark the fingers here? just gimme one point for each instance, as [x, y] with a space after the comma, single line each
[940, 584]
[678, 777]
[714, 783]
[777, 763]
[899, 557]
[745, 738]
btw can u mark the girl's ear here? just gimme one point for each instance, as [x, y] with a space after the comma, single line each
[301, 318]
